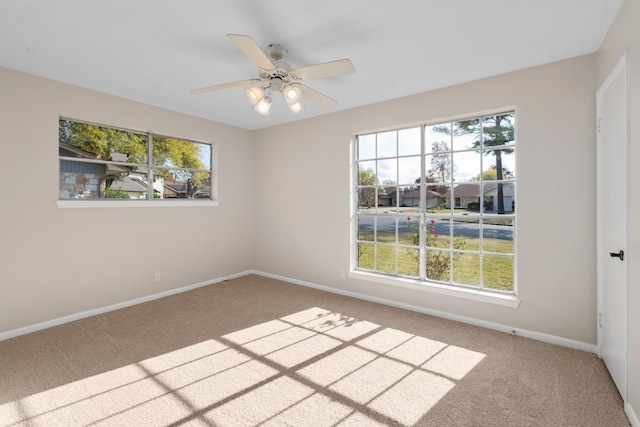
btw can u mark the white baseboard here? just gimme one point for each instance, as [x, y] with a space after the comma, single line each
[489, 325]
[77, 316]
[633, 418]
[551, 339]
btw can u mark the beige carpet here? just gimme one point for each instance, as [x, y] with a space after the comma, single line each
[259, 352]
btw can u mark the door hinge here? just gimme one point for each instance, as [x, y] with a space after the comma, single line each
[599, 124]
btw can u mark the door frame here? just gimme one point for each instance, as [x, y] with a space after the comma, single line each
[621, 67]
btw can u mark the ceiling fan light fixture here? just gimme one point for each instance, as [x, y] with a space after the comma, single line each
[263, 106]
[278, 77]
[291, 94]
[254, 94]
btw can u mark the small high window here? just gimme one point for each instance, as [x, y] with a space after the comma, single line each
[100, 162]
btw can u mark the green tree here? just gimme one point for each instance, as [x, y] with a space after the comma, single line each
[491, 174]
[367, 195]
[114, 193]
[104, 142]
[491, 132]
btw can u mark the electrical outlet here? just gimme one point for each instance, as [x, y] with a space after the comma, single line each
[342, 276]
[156, 278]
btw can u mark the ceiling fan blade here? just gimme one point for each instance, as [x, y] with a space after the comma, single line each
[250, 48]
[315, 97]
[224, 86]
[326, 69]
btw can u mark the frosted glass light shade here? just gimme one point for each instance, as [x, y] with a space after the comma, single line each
[263, 106]
[291, 94]
[254, 94]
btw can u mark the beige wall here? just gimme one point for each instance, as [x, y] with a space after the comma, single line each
[49, 272]
[308, 162]
[625, 37]
[56, 262]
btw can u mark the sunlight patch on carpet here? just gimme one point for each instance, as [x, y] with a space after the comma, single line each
[310, 367]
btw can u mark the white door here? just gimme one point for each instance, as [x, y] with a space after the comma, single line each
[612, 224]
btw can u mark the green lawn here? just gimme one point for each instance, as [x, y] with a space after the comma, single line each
[497, 271]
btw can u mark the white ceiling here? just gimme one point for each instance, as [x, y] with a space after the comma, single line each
[156, 51]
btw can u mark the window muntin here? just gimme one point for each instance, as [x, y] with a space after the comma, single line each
[101, 162]
[433, 206]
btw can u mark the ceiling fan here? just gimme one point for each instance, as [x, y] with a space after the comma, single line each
[276, 76]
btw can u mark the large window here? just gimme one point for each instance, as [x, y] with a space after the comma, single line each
[99, 162]
[436, 203]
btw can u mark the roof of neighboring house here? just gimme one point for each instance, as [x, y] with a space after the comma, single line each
[130, 185]
[181, 189]
[68, 150]
[410, 194]
[416, 193]
[472, 189]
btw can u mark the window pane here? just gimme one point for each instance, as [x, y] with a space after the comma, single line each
[498, 130]
[388, 198]
[438, 233]
[409, 141]
[505, 157]
[408, 230]
[181, 184]
[131, 186]
[408, 170]
[388, 171]
[433, 199]
[366, 255]
[365, 227]
[366, 147]
[466, 166]
[410, 199]
[87, 141]
[497, 236]
[439, 167]
[366, 197]
[81, 180]
[466, 134]
[497, 272]
[367, 173]
[438, 138]
[438, 197]
[467, 196]
[387, 144]
[386, 259]
[466, 268]
[409, 262]
[498, 197]
[466, 234]
[437, 265]
[180, 153]
[386, 229]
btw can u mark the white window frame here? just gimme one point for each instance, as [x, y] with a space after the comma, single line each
[507, 299]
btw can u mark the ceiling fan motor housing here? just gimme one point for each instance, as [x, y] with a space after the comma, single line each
[276, 51]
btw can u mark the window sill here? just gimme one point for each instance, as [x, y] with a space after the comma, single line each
[505, 300]
[134, 203]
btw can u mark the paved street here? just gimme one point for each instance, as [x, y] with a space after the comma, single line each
[460, 228]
